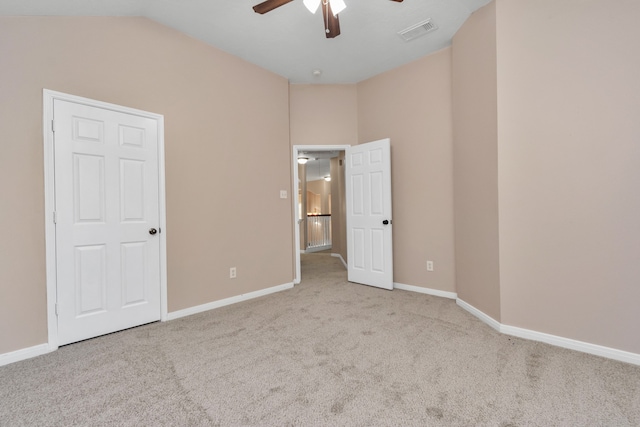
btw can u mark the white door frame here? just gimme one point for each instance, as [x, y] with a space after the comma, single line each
[296, 229]
[48, 98]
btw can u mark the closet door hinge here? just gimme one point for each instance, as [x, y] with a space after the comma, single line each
[55, 217]
[53, 125]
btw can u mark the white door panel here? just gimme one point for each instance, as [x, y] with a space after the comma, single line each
[107, 199]
[369, 239]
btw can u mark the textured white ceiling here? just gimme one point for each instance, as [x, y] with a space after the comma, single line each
[289, 40]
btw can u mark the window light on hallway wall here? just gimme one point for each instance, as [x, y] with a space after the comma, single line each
[337, 6]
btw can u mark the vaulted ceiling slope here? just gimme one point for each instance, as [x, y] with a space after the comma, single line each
[289, 40]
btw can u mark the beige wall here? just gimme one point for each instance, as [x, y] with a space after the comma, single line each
[542, 147]
[551, 118]
[324, 114]
[475, 126]
[338, 208]
[327, 115]
[569, 150]
[322, 189]
[412, 106]
[302, 202]
[208, 99]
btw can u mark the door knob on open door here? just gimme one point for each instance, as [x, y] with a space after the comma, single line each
[385, 222]
[152, 231]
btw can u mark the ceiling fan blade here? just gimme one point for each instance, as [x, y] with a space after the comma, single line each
[331, 23]
[399, 1]
[269, 5]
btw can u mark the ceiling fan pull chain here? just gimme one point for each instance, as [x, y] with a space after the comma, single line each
[325, 3]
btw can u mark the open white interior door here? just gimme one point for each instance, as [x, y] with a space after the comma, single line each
[369, 229]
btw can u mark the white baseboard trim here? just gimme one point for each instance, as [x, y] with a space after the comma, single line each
[428, 291]
[24, 353]
[227, 301]
[341, 259]
[38, 350]
[568, 343]
[479, 314]
[317, 249]
[584, 347]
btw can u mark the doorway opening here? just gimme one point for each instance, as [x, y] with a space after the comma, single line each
[320, 203]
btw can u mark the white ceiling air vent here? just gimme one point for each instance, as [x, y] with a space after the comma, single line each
[417, 30]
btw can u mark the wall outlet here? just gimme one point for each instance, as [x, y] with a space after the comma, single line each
[232, 273]
[429, 265]
[283, 194]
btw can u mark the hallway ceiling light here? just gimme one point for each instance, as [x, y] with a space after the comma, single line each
[327, 178]
[302, 160]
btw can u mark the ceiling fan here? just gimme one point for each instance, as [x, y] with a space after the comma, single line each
[331, 21]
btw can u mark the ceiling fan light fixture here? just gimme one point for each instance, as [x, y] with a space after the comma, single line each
[312, 5]
[337, 6]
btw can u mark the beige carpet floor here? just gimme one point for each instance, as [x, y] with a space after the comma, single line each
[326, 352]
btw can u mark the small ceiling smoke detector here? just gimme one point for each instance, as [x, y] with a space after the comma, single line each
[316, 73]
[418, 30]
